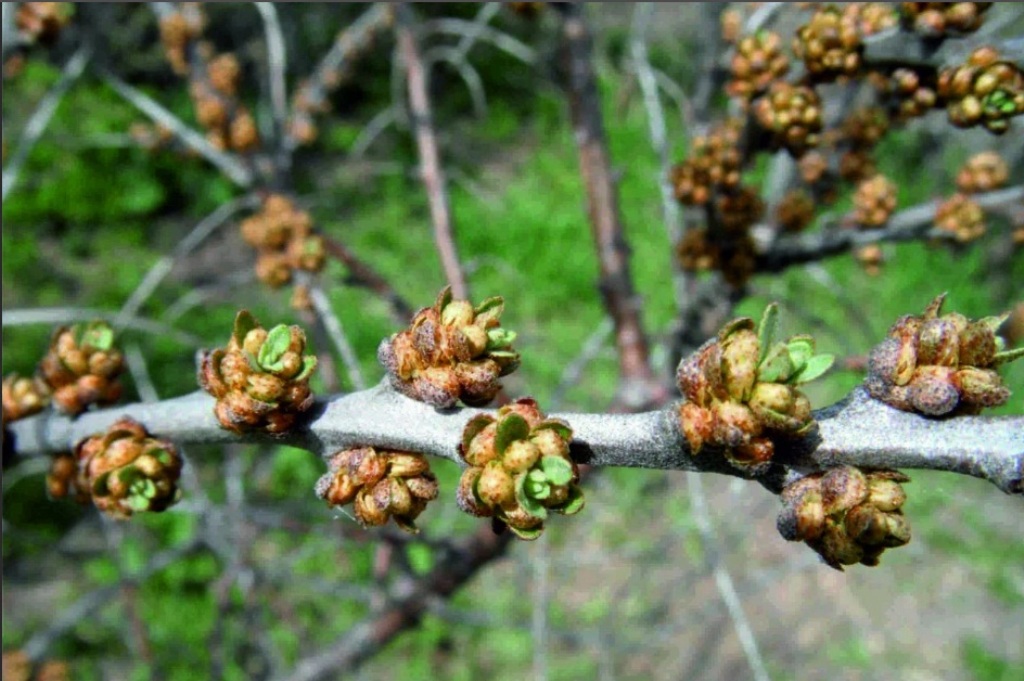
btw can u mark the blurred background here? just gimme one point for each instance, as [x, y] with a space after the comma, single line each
[251, 574]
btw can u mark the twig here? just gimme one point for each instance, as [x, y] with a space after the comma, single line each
[469, 75]
[431, 171]
[637, 384]
[277, 67]
[723, 580]
[906, 225]
[227, 163]
[362, 274]
[858, 431]
[67, 618]
[588, 351]
[66, 315]
[539, 622]
[337, 335]
[371, 131]
[463, 28]
[363, 640]
[42, 115]
[163, 266]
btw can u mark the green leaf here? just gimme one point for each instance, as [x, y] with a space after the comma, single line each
[801, 349]
[475, 425]
[443, 298]
[1007, 356]
[244, 323]
[537, 490]
[278, 340]
[308, 365]
[510, 427]
[777, 367]
[98, 335]
[490, 309]
[557, 425]
[500, 338]
[252, 362]
[735, 325]
[574, 504]
[137, 503]
[766, 329]
[815, 367]
[557, 469]
[528, 534]
[537, 475]
[529, 504]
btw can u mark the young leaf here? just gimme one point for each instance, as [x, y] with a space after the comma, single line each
[475, 425]
[1007, 356]
[537, 490]
[443, 298]
[557, 425]
[308, 364]
[490, 309]
[98, 335]
[510, 427]
[801, 349]
[574, 504]
[278, 340]
[777, 367]
[528, 504]
[815, 367]
[244, 323]
[527, 534]
[766, 330]
[556, 469]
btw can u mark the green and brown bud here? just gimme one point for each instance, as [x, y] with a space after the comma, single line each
[23, 397]
[127, 471]
[714, 163]
[937, 19]
[986, 90]
[451, 351]
[82, 366]
[792, 114]
[380, 484]
[66, 479]
[830, 44]
[261, 379]
[519, 468]
[795, 211]
[741, 393]
[940, 365]
[846, 515]
[982, 172]
[874, 201]
[758, 61]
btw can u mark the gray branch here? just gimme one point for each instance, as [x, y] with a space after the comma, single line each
[857, 431]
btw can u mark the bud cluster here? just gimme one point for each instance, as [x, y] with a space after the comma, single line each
[311, 96]
[757, 62]
[713, 164]
[733, 254]
[41, 22]
[81, 367]
[17, 665]
[846, 515]
[860, 133]
[961, 216]
[986, 90]
[519, 468]
[792, 114]
[261, 380]
[123, 471]
[940, 365]
[740, 390]
[874, 201]
[830, 44]
[177, 30]
[283, 237]
[451, 351]
[983, 172]
[935, 19]
[23, 397]
[795, 211]
[380, 485]
[912, 92]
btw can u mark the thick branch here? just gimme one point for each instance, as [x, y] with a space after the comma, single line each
[616, 285]
[857, 431]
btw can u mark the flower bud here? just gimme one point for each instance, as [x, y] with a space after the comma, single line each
[495, 488]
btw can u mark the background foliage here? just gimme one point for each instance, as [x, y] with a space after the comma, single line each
[625, 590]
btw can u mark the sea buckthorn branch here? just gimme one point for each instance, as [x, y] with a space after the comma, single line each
[857, 431]
[909, 224]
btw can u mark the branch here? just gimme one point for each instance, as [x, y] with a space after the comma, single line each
[362, 274]
[858, 431]
[616, 285]
[41, 116]
[276, 67]
[430, 159]
[907, 225]
[898, 47]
